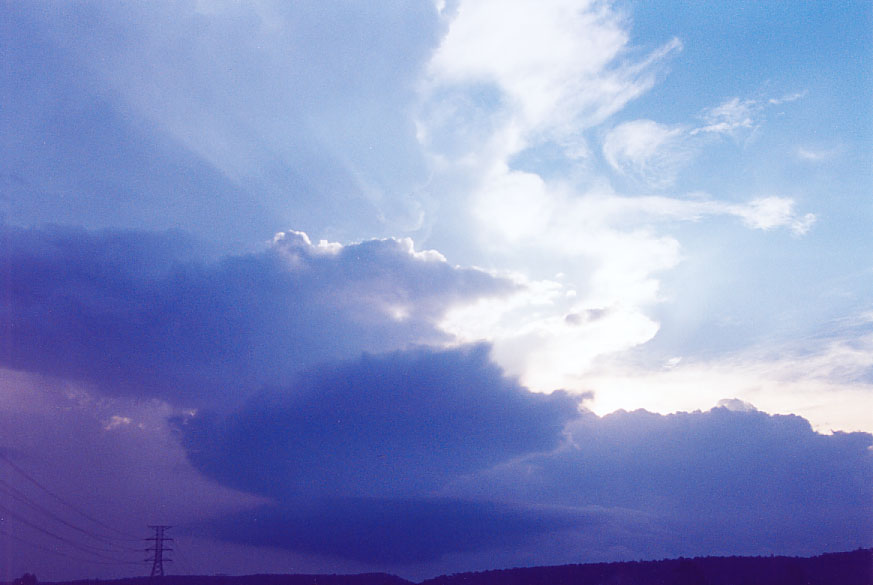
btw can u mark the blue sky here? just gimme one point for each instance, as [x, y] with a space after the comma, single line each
[311, 261]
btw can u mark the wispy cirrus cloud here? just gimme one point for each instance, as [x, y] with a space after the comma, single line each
[495, 88]
[356, 403]
[814, 155]
[654, 153]
[650, 151]
[729, 116]
[487, 100]
[737, 114]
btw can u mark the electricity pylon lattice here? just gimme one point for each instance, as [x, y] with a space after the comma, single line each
[158, 550]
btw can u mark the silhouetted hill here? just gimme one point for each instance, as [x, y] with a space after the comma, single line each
[364, 579]
[848, 568]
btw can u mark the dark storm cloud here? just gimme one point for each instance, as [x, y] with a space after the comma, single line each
[131, 313]
[401, 531]
[404, 423]
[723, 480]
[363, 447]
[352, 451]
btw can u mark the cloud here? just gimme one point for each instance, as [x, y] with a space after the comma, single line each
[400, 424]
[735, 114]
[654, 153]
[391, 531]
[511, 82]
[650, 151]
[729, 116]
[114, 459]
[551, 72]
[770, 212]
[788, 98]
[547, 335]
[611, 251]
[731, 480]
[476, 124]
[815, 155]
[829, 382]
[353, 453]
[134, 314]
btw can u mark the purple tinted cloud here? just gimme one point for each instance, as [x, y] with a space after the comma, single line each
[391, 530]
[410, 446]
[131, 313]
[353, 452]
[718, 481]
[401, 424]
[406, 439]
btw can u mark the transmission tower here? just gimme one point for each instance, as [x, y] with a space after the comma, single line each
[158, 550]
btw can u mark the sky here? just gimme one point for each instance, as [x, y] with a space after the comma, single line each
[433, 286]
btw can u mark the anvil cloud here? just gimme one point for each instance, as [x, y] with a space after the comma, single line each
[387, 286]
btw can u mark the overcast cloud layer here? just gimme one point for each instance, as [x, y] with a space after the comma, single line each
[337, 288]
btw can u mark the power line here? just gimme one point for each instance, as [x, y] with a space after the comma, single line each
[63, 554]
[80, 546]
[85, 515]
[24, 499]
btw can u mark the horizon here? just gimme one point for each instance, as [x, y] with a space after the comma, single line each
[484, 571]
[434, 286]
[455, 576]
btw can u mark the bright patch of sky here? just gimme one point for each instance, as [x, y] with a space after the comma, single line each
[665, 181]
[660, 205]
[669, 188]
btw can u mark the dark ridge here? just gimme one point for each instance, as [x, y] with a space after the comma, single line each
[363, 579]
[845, 568]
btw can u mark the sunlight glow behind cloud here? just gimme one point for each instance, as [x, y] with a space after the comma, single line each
[476, 205]
[519, 78]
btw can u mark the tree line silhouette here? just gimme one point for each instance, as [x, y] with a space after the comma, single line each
[846, 568]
